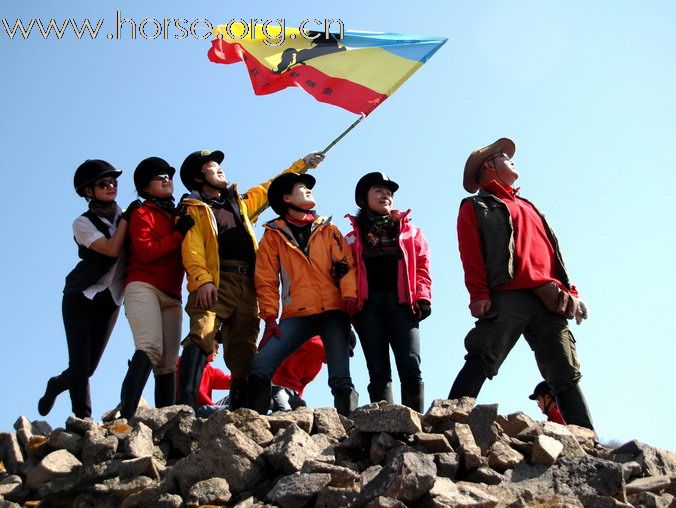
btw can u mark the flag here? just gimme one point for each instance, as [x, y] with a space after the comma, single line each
[356, 72]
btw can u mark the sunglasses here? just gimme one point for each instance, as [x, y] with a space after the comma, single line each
[104, 184]
[164, 177]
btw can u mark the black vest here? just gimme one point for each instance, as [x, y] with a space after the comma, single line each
[93, 265]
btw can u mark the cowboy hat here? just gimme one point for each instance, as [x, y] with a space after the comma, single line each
[476, 160]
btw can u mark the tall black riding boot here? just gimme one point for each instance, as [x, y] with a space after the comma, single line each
[238, 393]
[345, 400]
[573, 407]
[134, 382]
[380, 391]
[55, 386]
[193, 360]
[469, 381]
[165, 389]
[413, 395]
[259, 393]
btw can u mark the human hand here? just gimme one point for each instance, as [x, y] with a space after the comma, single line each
[581, 312]
[314, 159]
[423, 309]
[134, 205]
[271, 330]
[339, 269]
[480, 308]
[207, 295]
[350, 305]
[184, 223]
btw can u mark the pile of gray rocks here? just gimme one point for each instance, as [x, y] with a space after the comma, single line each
[458, 455]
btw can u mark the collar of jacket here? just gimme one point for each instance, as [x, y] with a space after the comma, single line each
[280, 226]
[403, 218]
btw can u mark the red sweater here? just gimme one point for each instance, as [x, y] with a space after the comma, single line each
[534, 256]
[155, 254]
[212, 379]
[554, 415]
[301, 367]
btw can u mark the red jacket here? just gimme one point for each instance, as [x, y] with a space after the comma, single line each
[413, 280]
[155, 249]
[302, 366]
[534, 256]
[554, 415]
[212, 379]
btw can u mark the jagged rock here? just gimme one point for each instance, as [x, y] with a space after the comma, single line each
[331, 497]
[140, 441]
[369, 474]
[98, 447]
[434, 443]
[61, 439]
[120, 429]
[207, 492]
[590, 475]
[571, 448]
[485, 475]
[232, 456]
[55, 465]
[649, 484]
[586, 437]
[303, 417]
[385, 502]
[631, 470]
[247, 421]
[10, 485]
[381, 444]
[651, 500]
[327, 421]
[502, 457]
[10, 451]
[156, 418]
[445, 493]
[24, 430]
[514, 423]
[385, 417]
[654, 462]
[181, 431]
[462, 440]
[407, 478]
[81, 479]
[123, 488]
[341, 477]
[37, 447]
[296, 490]
[79, 425]
[168, 501]
[447, 464]
[546, 450]
[356, 440]
[290, 449]
[142, 466]
[41, 427]
[443, 411]
[326, 447]
[480, 421]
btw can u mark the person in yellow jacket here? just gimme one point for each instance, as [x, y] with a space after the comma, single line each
[219, 255]
[319, 291]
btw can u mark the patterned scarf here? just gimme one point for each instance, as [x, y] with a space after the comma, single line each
[380, 230]
[105, 209]
[164, 203]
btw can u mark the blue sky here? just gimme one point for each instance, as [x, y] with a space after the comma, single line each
[585, 89]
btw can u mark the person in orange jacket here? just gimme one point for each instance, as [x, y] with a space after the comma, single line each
[307, 253]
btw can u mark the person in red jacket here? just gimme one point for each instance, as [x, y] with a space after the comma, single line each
[394, 289]
[152, 295]
[298, 370]
[546, 402]
[517, 282]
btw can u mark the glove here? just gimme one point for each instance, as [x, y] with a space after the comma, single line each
[134, 205]
[423, 309]
[271, 329]
[581, 312]
[350, 305]
[339, 269]
[312, 160]
[184, 223]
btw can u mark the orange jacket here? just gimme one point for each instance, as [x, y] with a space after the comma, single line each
[307, 285]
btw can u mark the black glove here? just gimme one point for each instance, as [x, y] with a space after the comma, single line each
[184, 223]
[134, 205]
[423, 309]
[339, 269]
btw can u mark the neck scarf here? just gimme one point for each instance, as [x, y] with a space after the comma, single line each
[164, 203]
[105, 209]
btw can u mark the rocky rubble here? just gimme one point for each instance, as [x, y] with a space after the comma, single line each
[456, 455]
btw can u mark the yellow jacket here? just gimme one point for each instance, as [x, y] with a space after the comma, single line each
[307, 285]
[200, 245]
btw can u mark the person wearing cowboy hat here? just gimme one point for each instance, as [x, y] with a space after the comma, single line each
[219, 255]
[302, 250]
[517, 282]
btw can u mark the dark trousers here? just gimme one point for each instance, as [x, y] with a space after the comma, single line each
[384, 323]
[88, 324]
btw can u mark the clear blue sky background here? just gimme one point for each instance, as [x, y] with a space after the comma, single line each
[586, 89]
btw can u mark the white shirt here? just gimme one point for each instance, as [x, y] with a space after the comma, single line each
[85, 234]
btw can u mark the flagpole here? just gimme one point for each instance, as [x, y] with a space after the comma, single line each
[343, 134]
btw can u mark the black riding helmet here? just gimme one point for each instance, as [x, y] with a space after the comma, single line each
[282, 185]
[369, 180]
[192, 166]
[90, 171]
[149, 168]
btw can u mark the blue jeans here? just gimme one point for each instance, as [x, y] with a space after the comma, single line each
[334, 329]
[384, 322]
